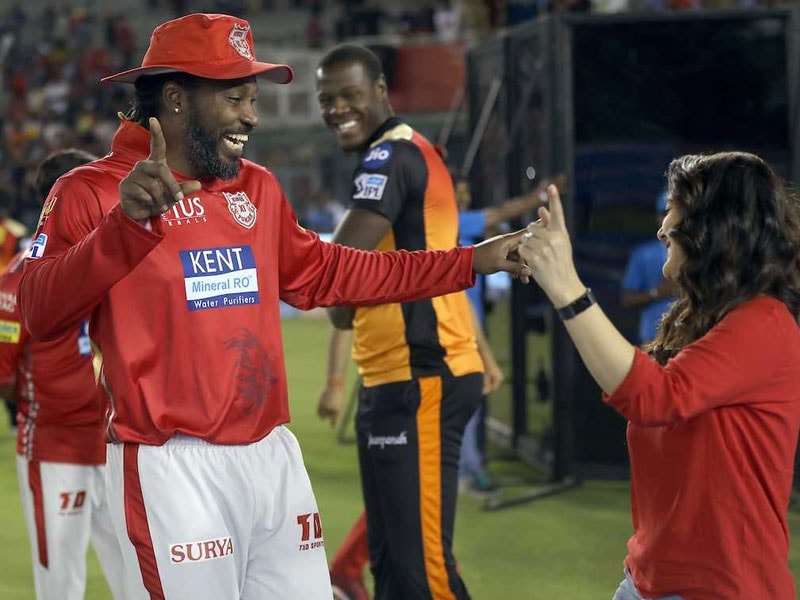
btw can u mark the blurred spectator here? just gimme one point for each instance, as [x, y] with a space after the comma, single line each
[323, 213]
[447, 20]
[645, 288]
[50, 66]
[315, 34]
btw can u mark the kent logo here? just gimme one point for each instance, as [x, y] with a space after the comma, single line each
[200, 551]
[220, 277]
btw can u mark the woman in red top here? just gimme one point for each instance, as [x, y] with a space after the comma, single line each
[713, 405]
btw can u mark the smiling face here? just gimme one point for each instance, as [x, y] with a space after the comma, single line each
[352, 105]
[219, 117]
[675, 254]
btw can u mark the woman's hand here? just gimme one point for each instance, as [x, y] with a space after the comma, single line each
[547, 250]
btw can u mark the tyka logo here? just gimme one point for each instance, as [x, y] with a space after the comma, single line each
[200, 551]
[186, 212]
[310, 523]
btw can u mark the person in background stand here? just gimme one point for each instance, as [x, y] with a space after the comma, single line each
[12, 234]
[474, 225]
[352, 556]
[644, 286]
[713, 403]
[61, 449]
[420, 367]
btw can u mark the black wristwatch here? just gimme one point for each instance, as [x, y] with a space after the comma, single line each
[578, 306]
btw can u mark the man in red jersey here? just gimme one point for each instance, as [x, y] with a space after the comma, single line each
[60, 441]
[181, 250]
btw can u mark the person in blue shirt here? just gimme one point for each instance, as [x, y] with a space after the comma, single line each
[473, 226]
[644, 286]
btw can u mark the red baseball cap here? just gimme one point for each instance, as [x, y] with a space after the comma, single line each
[204, 45]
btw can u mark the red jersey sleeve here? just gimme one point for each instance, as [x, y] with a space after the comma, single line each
[316, 273]
[77, 254]
[12, 333]
[729, 365]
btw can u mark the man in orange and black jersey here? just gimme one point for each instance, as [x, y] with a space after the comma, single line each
[419, 364]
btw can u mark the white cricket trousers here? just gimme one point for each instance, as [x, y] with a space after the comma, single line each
[199, 521]
[65, 507]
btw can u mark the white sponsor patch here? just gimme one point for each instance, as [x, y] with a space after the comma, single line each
[37, 247]
[219, 277]
[370, 186]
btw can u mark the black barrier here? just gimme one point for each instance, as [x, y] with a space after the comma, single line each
[608, 101]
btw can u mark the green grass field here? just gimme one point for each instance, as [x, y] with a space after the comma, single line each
[565, 547]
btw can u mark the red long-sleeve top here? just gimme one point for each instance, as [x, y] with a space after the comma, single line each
[59, 416]
[712, 438]
[187, 314]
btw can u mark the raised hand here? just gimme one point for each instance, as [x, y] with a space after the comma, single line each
[547, 250]
[150, 188]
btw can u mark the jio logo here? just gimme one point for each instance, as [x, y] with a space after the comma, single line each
[378, 156]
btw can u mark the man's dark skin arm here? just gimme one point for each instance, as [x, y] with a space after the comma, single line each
[363, 229]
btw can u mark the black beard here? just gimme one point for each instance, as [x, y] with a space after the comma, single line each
[204, 153]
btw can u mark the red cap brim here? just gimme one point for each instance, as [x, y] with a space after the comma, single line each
[269, 71]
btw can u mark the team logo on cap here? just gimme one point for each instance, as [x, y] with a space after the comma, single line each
[238, 39]
[241, 208]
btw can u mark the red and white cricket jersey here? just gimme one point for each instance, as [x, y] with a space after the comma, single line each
[186, 313]
[60, 414]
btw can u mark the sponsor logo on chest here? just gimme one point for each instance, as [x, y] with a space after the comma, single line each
[200, 551]
[369, 186]
[244, 212]
[219, 277]
[377, 156]
[188, 211]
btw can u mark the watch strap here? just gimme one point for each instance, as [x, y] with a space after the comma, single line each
[578, 306]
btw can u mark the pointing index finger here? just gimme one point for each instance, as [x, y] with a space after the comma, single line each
[158, 145]
[556, 209]
[158, 154]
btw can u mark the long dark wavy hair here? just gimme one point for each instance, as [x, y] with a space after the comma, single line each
[740, 234]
